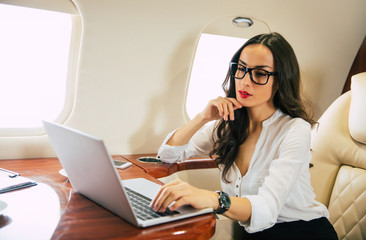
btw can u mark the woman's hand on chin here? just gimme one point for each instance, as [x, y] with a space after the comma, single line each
[221, 108]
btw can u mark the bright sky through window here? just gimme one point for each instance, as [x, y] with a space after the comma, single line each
[210, 66]
[34, 51]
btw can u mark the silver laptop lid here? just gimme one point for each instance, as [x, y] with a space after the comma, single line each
[90, 169]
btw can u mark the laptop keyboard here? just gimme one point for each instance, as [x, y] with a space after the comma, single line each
[141, 207]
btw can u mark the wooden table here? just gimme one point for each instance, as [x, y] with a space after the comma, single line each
[52, 210]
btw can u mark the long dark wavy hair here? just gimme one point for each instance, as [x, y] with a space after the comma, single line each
[286, 97]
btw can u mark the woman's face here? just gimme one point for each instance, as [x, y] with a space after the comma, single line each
[248, 93]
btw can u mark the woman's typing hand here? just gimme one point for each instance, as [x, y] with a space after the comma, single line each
[179, 193]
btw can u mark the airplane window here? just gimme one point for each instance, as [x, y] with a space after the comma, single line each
[34, 60]
[210, 66]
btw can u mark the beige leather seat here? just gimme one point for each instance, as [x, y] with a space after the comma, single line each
[339, 159]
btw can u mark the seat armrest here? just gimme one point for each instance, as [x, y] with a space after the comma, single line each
[197, 164]
[160, 169]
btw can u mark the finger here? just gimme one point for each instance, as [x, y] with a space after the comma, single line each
[163, 201]
[175, 193]
[157, 196]
[161, 191]
[177, 204]
[171, 198]
[169, 201]
[167, 195]
[225, 107]
[229, 109]
[231, 112]
[219, 102]
[156, 201]
[234, 105]
[235, 102]
[220, 108]
[192, 196]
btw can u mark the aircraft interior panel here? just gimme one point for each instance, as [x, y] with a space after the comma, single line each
[134, 61]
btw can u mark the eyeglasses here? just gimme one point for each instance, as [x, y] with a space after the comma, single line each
[258, 76]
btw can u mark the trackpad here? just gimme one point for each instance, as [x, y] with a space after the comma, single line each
[142, 186]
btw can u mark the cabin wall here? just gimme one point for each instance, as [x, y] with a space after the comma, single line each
[135, 58]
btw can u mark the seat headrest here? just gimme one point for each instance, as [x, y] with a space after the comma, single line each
[357, 112]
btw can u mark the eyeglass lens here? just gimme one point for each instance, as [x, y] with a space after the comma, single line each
[258, 76]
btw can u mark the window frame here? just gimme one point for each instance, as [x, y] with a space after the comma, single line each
[72, 65]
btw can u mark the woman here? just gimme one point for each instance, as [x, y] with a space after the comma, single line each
[261, 143]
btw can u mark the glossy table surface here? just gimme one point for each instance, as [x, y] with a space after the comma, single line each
[52, 210]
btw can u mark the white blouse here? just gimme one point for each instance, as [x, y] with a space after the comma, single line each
[277, 182]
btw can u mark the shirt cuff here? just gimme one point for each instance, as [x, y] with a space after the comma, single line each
[170, 154]
[262, 217]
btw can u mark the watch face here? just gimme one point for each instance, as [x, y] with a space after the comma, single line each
[225, 200]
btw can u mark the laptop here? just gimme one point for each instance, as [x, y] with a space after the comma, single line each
[91, 172]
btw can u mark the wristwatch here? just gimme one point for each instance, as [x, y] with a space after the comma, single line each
[224, 202]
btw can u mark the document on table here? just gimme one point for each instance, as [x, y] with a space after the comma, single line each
[10, 181]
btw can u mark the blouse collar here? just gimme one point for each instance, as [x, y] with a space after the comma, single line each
[276, 115]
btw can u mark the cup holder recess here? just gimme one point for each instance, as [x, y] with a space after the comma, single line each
[149, 159]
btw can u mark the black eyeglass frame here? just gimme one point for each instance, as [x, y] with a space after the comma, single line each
[250, 73]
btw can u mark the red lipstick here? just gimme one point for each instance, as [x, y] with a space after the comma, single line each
[244, 94]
